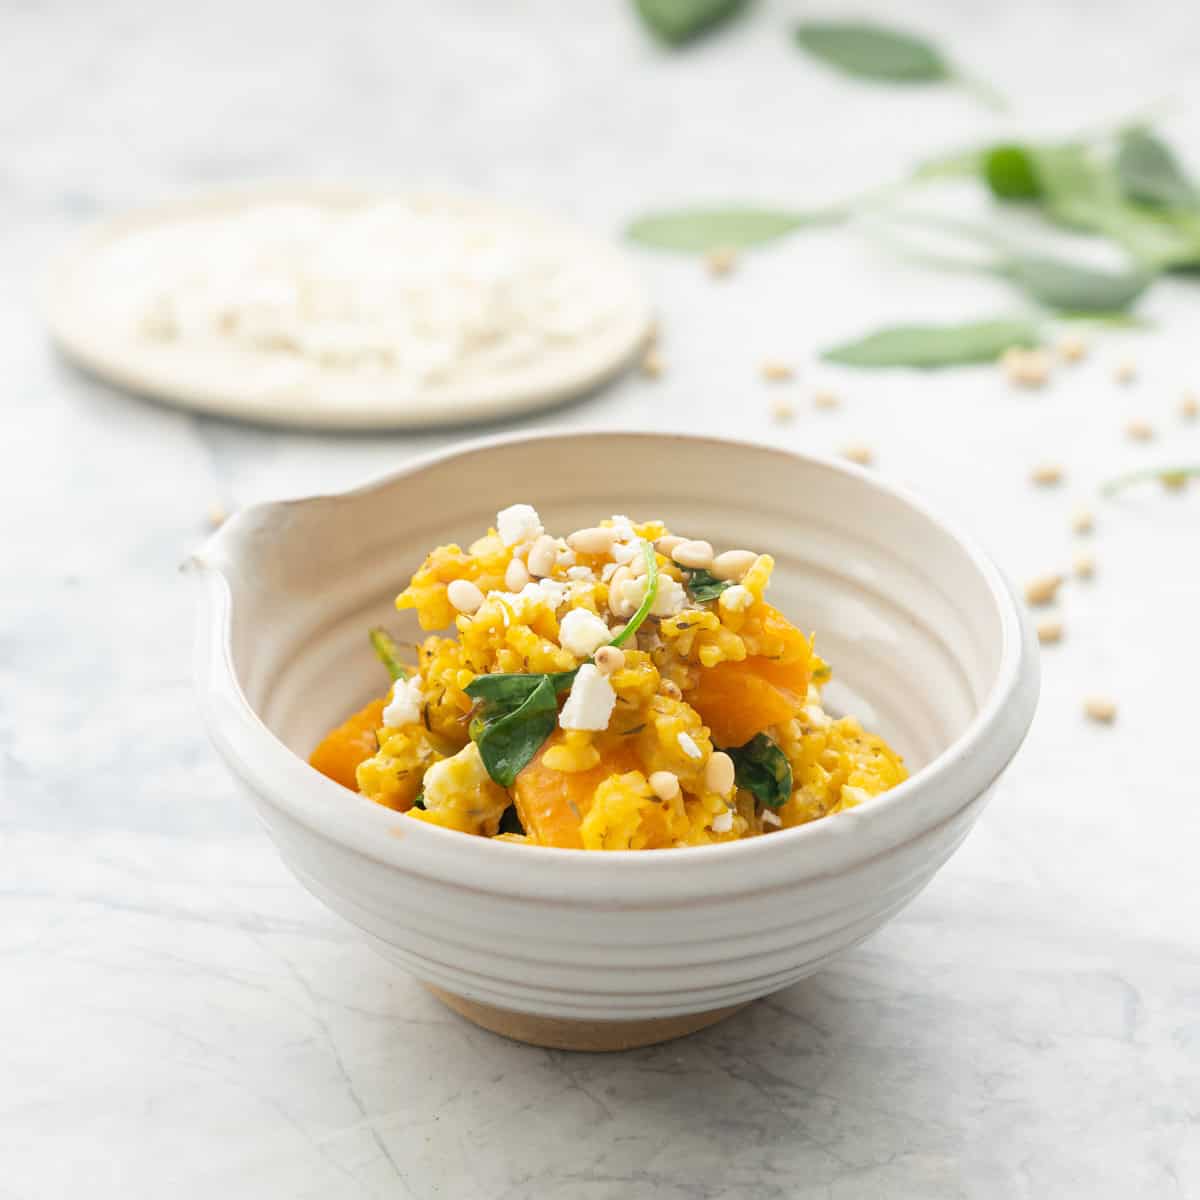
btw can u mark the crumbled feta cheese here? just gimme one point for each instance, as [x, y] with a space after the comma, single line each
[817, 717]
[582, 632]
[590, 702]
[688, 745]
[554, 591]
[406, 703]
[462, 772]
[771, 818]
[671, 597]
[622, 528]
[736, 599]
[518, 523]
[625, 552]
[608, 571]
[566, 557]
[722, 822]
[577, 573]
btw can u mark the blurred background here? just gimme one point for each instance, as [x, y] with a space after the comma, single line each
[187, 1019]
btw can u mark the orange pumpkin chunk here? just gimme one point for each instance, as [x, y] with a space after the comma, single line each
[737, 700]
[552, 804]
[349, 744]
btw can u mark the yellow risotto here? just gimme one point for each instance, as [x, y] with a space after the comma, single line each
[621, 688]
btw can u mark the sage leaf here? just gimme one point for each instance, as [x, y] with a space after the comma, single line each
[509, 690]
[873, 51]
[1150, 173]
[679, 21]
[763, 769]
[509, 738]
[704, 585]
[928, 346]
[388, 653]
[1060, 284]
[700, 229]
[1011, 173]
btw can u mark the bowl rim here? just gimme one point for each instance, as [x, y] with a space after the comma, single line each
[965, 769]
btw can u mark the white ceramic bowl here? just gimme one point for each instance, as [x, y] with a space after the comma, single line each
[929, 646]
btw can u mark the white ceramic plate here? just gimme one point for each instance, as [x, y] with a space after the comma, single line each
[279, 388]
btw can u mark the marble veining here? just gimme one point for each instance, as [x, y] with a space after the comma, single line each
[180, 1019]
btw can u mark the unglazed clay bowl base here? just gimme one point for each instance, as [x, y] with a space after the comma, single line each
[592, 1036]
[928, 645]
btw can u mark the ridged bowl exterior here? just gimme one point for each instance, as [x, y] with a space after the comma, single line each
[927, 641]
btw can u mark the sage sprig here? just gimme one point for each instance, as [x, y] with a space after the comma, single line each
[677, 22]
[931, 346]
[698, 230]
[875, 52]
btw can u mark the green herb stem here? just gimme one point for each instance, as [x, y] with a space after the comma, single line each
[1164, 475]
[643, 610]
[387, 651]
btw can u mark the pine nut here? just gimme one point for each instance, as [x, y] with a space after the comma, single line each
[1085, 564]
[1046, 474]
[733, 564]
[217, 516]
[695, 555]
[858, 454]
[464, 596]
[719, 773]
[1083, 520]
[543, 555]
[664, 784]
[667, 543]
[1026, 368]
[1100, 708]
[1043, 589]
[1189, 406]
[776, 371]
[824, 398]
[1050, 631]
[591, 541]
[616, 593]
[609, 659]
[516, 575]
[783, 409]
[721, 260]
[1125, 371]
[652, 364]
[1140, 430]
[1072, 348]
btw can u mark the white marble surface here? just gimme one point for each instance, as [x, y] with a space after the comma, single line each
[180, 1019]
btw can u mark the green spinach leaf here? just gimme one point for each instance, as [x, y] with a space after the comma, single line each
[704, 585]
[930, 346]
[1150, 173]
[697, 230]
[388, 653]
[679, 21]
[762, 768]
[508, 737]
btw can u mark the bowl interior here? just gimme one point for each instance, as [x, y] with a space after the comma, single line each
[908, 616]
